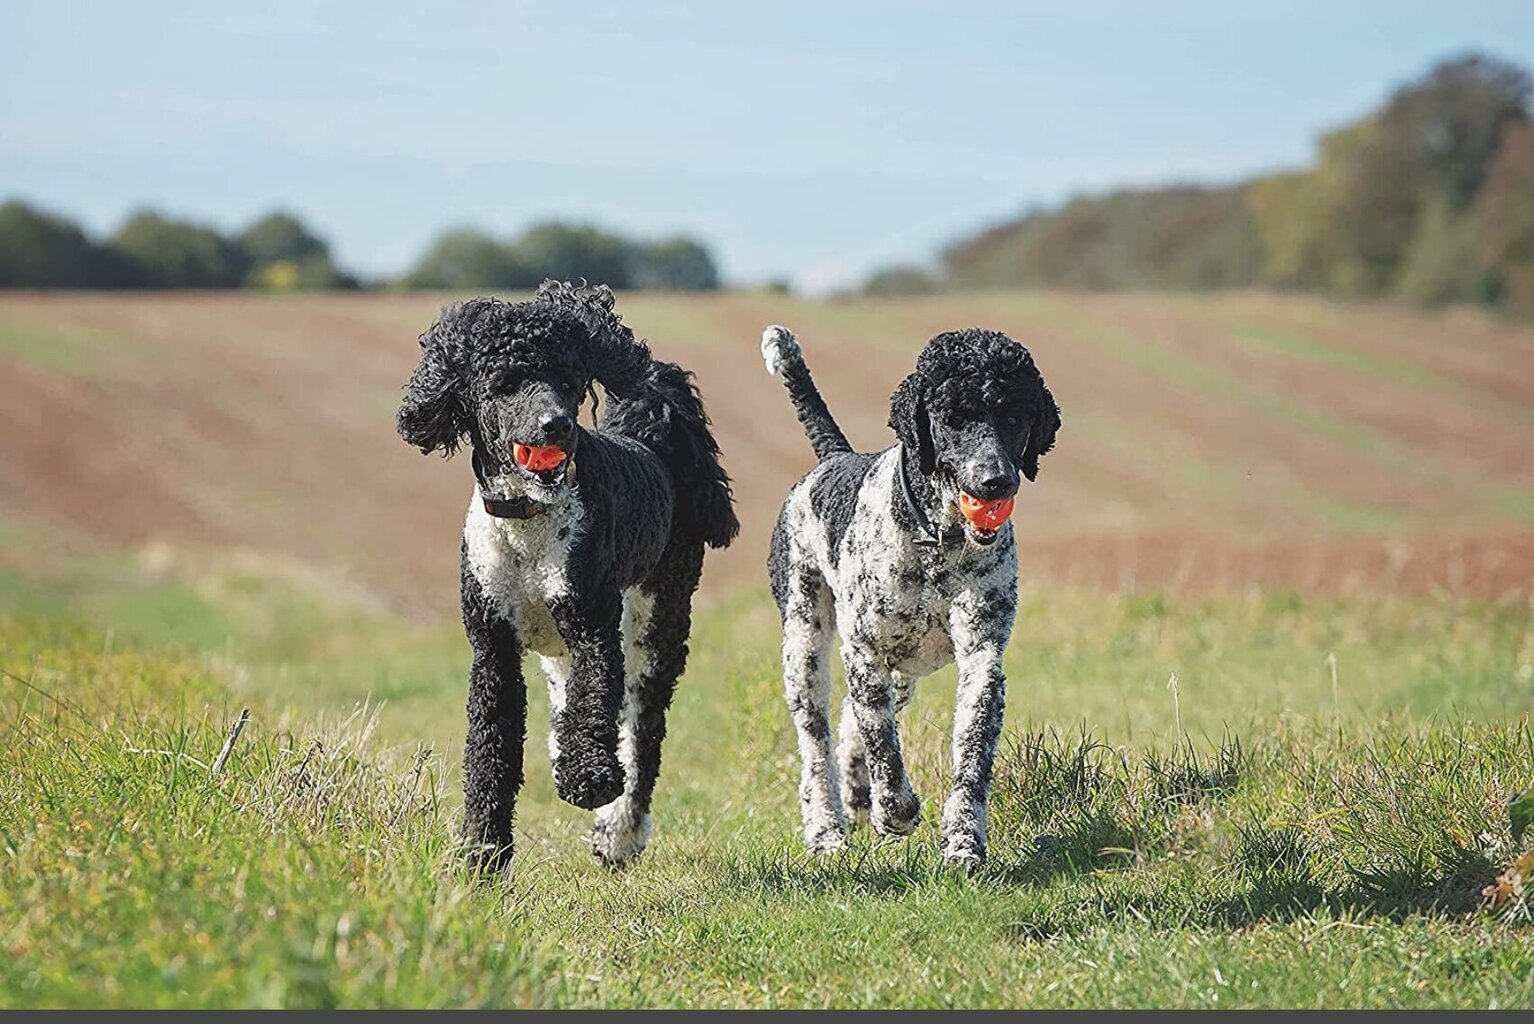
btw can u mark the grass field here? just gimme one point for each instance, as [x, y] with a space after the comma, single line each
[1317, 517]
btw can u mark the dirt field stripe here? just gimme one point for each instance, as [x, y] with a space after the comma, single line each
[1169, 364]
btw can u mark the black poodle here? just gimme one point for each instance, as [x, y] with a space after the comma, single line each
[583, 546]
[908, 555]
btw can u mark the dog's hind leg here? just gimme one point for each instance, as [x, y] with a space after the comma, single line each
[808, 626]
[657, 619]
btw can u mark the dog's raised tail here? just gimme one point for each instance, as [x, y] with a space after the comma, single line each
[785, 360]
[666, 414]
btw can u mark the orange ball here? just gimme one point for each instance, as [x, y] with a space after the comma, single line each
[988, 515]
[538, 458]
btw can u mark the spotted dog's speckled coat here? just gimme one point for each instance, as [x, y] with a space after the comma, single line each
[872, 547]
[598, 578]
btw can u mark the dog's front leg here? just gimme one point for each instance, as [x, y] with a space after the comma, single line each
[981, 624]
[492, 749]
[587, 772]
[895, 808]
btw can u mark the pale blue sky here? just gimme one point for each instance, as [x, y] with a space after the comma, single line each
[809, 140]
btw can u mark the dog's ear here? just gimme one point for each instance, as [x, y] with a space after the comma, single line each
[1041, 433]
[614, 357]
[435, 412]
[910, 422]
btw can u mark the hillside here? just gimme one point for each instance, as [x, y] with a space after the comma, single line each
[1427, 199]
[1215, 441]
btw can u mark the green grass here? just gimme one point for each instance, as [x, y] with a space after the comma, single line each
[48, 350]
[75, 350]
[1295, 844]
[1297, 347]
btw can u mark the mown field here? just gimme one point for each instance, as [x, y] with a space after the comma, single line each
[1317, 517]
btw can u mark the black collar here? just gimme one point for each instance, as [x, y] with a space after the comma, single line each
[520, 507]
[926, 536]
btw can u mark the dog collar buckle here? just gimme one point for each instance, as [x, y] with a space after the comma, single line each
[520, 507]
[510, 508]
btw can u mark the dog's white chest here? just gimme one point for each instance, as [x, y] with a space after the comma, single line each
[521, 565]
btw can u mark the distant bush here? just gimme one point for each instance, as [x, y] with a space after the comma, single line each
[1179, 237]
[282, 254]
[467, 258]
[1505, 210]
[673, 264]
[40, 250]
[277, 237]
[1444, 263]
[900, 280]
[570, 252]
[177, 254]
[278, 252]
[1430, 198]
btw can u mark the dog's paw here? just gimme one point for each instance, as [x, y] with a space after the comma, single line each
[827, 841]
[859, 790]
[588, 782]
[779, 348]
[896, 814]
[619, 835]
[964, 853]
[859, 803]
[486, 858]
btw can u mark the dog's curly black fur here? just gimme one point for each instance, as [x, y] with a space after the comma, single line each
[598, 579]
[872, 546]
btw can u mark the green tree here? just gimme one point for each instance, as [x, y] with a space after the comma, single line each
[1389, 207]
[177, 254]
[570, 252]
[42, 250]
[1505, 212]
[677, 264]
[1445, 263]
[1448, 127]
[467, 258]
[1350, 224]
[284, 254]
[1207, 239]
[898, 280]
[279, 236]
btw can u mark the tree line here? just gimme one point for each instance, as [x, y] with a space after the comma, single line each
[1429, 199]
[278, 252]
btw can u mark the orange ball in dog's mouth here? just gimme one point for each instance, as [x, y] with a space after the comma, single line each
[539, 458]
[987, 515]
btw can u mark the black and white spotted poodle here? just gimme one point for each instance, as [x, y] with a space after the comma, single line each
[908, 555]
[582, 546]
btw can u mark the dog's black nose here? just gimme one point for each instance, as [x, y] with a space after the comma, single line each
[556, 427]
[993, 481]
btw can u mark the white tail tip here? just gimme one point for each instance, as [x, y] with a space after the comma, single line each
[779, 347]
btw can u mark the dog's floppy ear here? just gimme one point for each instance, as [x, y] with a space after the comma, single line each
[435, 412]
[910, 422]
[1041, 434]
[614, 357]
